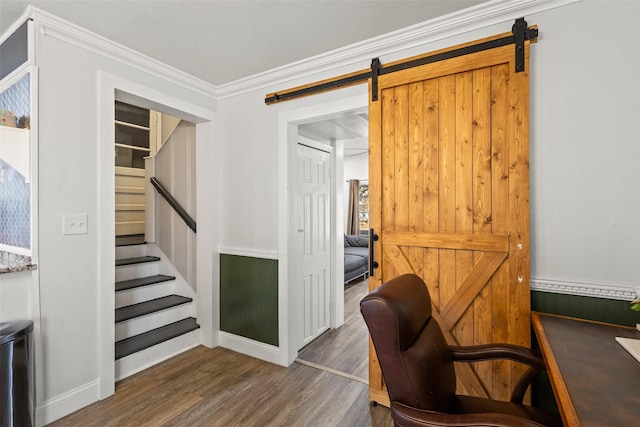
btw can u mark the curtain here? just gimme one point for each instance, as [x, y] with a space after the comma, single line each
[353, 222]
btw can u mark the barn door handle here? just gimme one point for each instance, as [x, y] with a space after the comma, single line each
[373, 237]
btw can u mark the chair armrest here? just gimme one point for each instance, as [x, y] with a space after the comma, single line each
[407, 416]
[476, 353]
[513, 352]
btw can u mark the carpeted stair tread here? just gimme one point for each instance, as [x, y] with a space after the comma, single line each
[143, 341]
[148, 307]
[136, 260]
[142, 281]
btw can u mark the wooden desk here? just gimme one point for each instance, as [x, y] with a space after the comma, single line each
[595, 381]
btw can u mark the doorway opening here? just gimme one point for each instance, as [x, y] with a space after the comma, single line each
[133, 142]
[155, 230]
[342, 346]
[114, 89]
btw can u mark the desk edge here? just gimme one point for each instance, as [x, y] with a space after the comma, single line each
[563, 398]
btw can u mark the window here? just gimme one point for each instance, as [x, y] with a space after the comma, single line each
[363, 208]
[15, 167]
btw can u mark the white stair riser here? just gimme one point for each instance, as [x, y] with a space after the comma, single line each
[151, 321]
[134, 271]
[144, 359]
[144, 293]
[130, 251]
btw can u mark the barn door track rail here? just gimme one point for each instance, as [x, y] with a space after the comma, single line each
[520, 32]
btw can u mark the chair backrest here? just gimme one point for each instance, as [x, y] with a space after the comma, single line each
[413, 354]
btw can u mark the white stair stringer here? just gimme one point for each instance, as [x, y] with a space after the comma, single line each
[166, 267]
[140, 360]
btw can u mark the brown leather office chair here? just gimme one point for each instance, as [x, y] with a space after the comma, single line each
[417, 364]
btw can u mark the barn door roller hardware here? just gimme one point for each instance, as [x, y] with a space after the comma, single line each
[375, 72]
[520, 32]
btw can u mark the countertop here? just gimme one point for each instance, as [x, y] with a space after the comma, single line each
[12, 263]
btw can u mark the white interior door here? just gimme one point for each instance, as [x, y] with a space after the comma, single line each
[314, 224]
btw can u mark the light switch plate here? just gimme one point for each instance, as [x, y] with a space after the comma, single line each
[74, 224]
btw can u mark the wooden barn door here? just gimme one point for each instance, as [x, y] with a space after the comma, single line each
[449, 200]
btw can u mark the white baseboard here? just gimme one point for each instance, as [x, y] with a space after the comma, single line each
[624, 293]
[65, 404]
[259, 350]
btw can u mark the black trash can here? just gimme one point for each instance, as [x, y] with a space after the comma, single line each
[17, 376]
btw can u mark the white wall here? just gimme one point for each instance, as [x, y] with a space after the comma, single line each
[175, 168]
[584, 174]
[584, 148]
[71, 163]
[250, 173]
[16, 294]
[357, 167]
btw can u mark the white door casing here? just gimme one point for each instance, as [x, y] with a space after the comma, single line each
[289, 240]
[112, 87]
[314, 225]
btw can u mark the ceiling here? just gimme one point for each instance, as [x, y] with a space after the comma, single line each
[351, 129]
[221, 41]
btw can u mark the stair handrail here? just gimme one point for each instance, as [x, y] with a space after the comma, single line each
[174, 203]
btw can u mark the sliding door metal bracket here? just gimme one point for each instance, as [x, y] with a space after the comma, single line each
[522, 32]
[375, 72]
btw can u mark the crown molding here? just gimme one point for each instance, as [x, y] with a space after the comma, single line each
[359, 54]
[624, 293]
[52, 26]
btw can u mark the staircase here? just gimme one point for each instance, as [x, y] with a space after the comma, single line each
[155, 310]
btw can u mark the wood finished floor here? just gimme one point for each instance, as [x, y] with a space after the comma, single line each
[218, 387]
[345, 349]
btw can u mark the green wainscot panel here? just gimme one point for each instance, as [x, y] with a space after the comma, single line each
[249, 297]
[590, 308]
